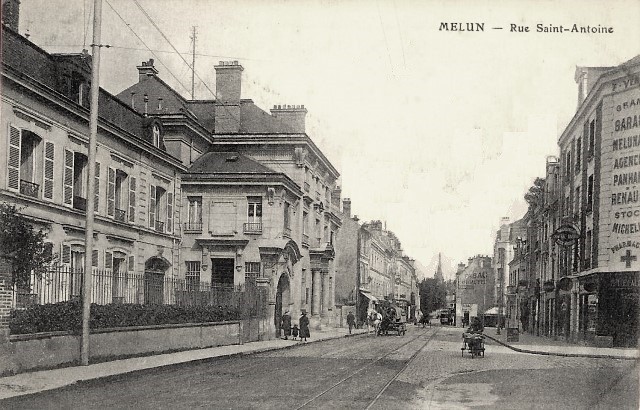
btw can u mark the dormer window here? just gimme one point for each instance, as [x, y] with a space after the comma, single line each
[156, 135]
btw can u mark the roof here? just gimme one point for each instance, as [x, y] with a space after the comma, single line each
[229, 163]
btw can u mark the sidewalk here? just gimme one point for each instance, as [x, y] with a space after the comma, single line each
[35, 382]
[528, 343]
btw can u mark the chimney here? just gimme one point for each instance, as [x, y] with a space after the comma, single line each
[292, 116]
[11, 14]
[586, 78]
[146, 70]
[228, 88]
[346, 207]
[336, 194]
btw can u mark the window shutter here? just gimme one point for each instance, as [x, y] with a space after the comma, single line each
[132, 199]
[108, 260]
[94, 258]
[169, 212]
[68, 178]
[47, 178]
[13, 163]
[152, 206]
[66, 254]
[97, 189]
[111, 192]
[132, 265]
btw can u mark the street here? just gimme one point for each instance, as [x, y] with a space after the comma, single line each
[422, 369]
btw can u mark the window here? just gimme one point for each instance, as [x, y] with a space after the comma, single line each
[192, 276]
[568, 164]
[305, 222]
[592, 137]
[254, 210]
[156, 135]
[194, 217]
[567, 205]
[160, 209]
[578, 154]
[74, 184]
[21, 172]
[119, 284]
[577, 200]
[587, 250]
[251, 271]
[590, 193]
[118, 194]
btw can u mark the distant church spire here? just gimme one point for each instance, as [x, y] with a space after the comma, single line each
[439, 276]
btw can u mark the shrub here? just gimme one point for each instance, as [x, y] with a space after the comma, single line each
[67, 316]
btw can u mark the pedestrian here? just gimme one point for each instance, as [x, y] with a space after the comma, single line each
[285, 325]
[295, 331]
[304, 327]
[351, 321]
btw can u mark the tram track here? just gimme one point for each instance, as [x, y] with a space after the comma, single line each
[369, 365]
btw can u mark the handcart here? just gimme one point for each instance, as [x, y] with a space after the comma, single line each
[473, 343]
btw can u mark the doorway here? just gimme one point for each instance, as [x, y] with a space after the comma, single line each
[283, 294]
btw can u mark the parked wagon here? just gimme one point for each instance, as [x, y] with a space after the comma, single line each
[392, 322]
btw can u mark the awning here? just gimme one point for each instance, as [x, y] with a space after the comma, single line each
[369, 296]
[493, 311]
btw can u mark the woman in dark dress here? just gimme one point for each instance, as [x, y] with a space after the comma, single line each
[285, 325]
[304, 326]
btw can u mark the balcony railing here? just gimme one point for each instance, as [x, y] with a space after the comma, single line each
[252, 228]
[120, 215]
[29, 188]
[79, 203]
[193, 226]
[160, 226]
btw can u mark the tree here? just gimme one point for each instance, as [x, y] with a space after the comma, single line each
[433, 295]
[22, 247]
[535, 195]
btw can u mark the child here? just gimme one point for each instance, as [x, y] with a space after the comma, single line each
[295, 332]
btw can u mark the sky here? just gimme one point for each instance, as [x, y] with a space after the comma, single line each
[438, 133]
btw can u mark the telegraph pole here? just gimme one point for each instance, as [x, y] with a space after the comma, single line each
[193, 63]
[93, 132]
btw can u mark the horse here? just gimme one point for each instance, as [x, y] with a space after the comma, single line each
[373, 321]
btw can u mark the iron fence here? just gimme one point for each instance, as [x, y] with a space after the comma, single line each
[64, 284]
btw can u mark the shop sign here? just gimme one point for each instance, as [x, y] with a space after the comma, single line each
[566, 235]
[623, 280]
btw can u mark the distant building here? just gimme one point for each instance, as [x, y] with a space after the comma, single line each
[475, 284]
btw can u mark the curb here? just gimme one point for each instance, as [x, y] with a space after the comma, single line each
[115, 377]
[543, 353]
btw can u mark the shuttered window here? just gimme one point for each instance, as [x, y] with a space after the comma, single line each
[66, 254]
[152, 206]
[132, 199]
[96, 203]
[13, 163]
[49, 162]
[169, 212]
[111, 192]
[68, 178]
[132, 264]
[94, 258]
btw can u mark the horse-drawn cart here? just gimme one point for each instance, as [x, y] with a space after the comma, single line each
[391, 326]
[473, 343]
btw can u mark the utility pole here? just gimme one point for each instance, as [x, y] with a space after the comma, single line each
[93, 133]
[193, 62]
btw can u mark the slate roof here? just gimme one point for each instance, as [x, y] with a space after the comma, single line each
[227, 163]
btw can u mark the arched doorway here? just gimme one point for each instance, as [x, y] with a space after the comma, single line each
[154, 270]
[283, 297]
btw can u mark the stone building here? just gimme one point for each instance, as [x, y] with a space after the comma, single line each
[475, 292]
[599, 151]
[45, 115]
[259, 199]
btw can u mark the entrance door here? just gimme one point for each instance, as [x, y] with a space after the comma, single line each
[282, 300]
[154, 270]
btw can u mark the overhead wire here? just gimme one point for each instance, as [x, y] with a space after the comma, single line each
[153, 23]
[145, 44]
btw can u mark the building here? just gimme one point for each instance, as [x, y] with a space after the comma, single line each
[475, 292]
[45, 115]
[259, 199]
[599, 151]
